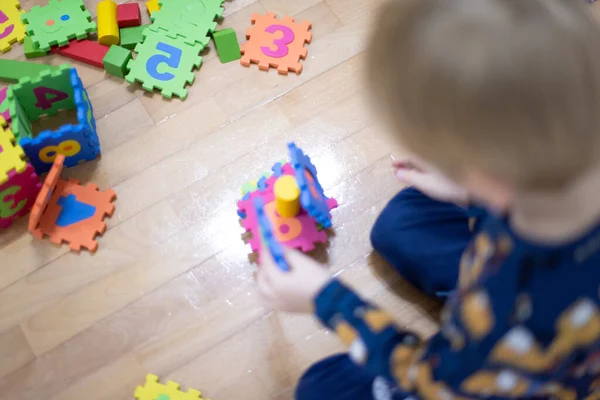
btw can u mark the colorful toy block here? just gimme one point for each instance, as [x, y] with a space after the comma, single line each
[4, 109]
[276, 43]
[115, 62]
[19, 184]
[152, 390]
[108, 28]
[67, 212]
[30, 50]
[85, 51]
[301, 231]
[58, 23]
[152, 6]
[12, 29]
[287, 196]
[129, 15]
[12, 70]
[164, 63]
[49, 93]
[227, 45]
[130, 37]
[192, 21]
[268, 239]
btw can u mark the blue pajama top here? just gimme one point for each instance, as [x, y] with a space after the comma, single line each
[524, 322]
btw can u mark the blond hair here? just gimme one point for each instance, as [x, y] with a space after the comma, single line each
[511, 87]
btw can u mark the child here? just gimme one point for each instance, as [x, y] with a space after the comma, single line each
[502, 97]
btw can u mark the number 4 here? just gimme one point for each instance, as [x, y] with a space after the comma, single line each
[47, 96]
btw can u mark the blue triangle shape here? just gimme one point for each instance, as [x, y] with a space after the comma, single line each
[73, 211]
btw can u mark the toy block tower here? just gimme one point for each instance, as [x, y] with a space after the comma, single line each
[47, 94]
[19, 184]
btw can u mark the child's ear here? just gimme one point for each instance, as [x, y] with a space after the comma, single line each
[488, 189]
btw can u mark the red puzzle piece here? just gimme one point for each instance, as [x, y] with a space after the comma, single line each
[86, 51]
[129, 15]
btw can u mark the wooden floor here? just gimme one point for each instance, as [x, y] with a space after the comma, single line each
[170, 290]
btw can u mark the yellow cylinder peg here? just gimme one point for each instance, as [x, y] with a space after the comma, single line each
[287, 196]
[108, 27]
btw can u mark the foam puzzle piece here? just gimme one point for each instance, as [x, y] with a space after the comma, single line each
[130, 37]
[31, 50]
[116, 61]
[85, 51]
[268, 239]
[152, 390]
[312, 195]
[164, 63]
[12, 156]
[129, 15]
[276, 43]
[191, 20]
[77, 142]
[80, 233]
[47, 93]
[17, 195]
[12, 70]
[301, 232]
[58, 22]
[12, 29]
[4, 109]
[227, 45]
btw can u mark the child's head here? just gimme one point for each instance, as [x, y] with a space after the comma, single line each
[492, 92]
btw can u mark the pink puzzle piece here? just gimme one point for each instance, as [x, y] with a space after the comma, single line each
[300, 232]
[18, 195]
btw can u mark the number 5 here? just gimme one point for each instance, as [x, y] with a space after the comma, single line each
[172, 59]
[9, 29]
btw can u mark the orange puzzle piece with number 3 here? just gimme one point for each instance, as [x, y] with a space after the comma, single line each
[276, 43]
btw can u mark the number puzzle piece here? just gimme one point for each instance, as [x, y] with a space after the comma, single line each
[312, 195]
[268, 238]
[164, 63]
[18, 194]
[53, 214]
[276, 43]
[12, 29]
[58, 23]
[44, 94]
[11, 154]
[191, 20]
[152, 390]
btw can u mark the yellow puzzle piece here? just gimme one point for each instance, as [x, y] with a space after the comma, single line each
[12, 30]
[11, 155]
[153, 390]
[152, 6]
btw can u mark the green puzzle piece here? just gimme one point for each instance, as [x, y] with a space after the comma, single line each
[13, 70]
[164, 63]
[191, 20]
[57, 23]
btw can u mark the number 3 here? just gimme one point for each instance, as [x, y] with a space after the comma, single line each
[172, 59]
[8, 208]
[282, 48]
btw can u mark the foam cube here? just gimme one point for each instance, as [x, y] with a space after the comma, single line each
[116, 60]
[31, 50]
[227, 45]
[47, 94]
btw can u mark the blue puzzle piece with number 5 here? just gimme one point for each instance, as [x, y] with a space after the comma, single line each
[164, 63]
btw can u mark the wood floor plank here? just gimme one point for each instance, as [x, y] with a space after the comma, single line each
[14, 351]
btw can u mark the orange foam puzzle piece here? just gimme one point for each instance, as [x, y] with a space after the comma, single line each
[47, 210]
[276, 43]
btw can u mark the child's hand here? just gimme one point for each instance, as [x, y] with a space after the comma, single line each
[294, 290]
[416, 173]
